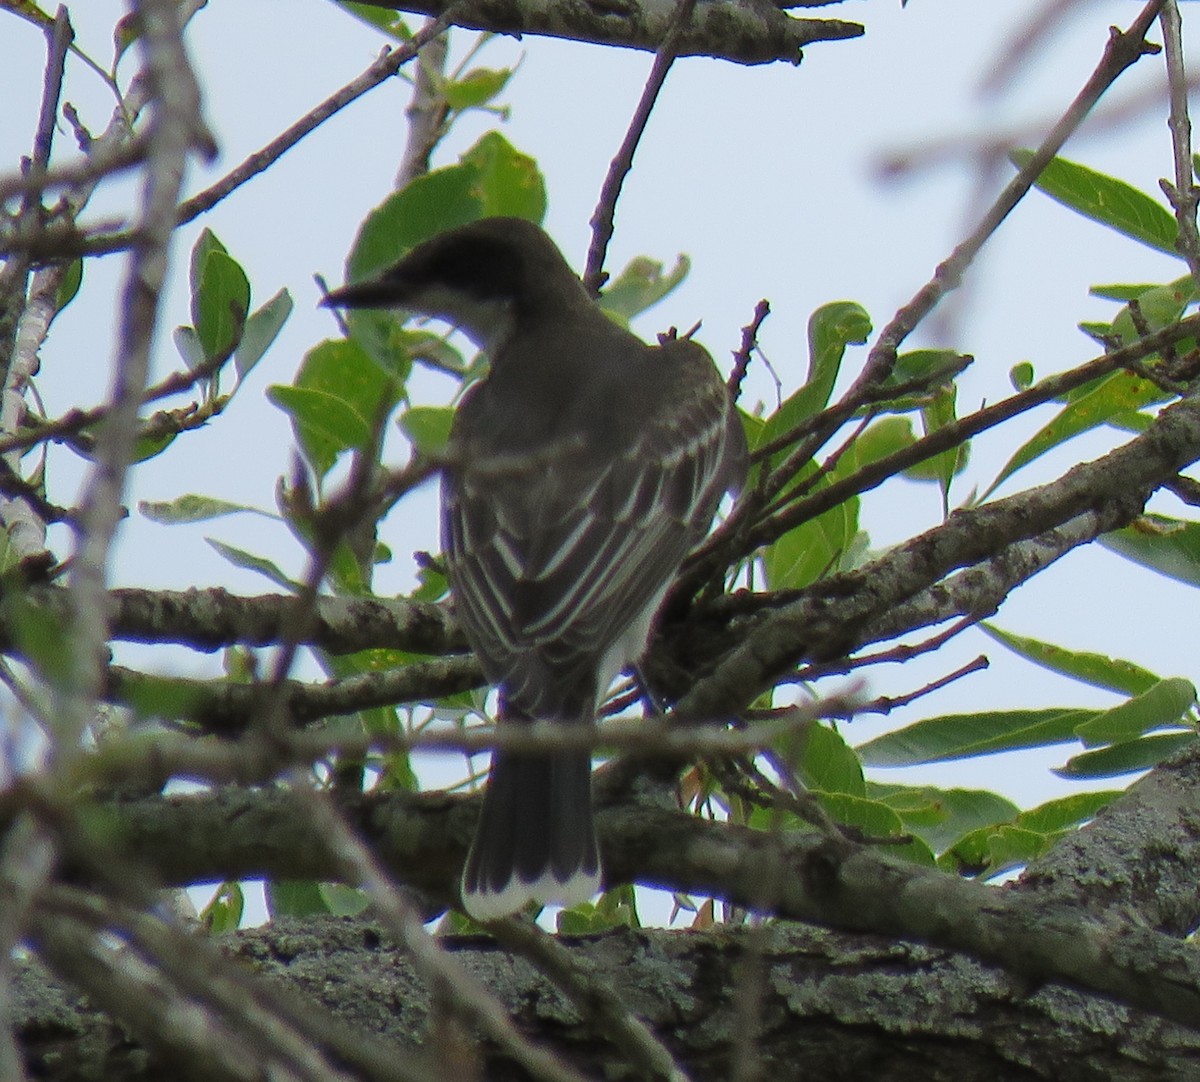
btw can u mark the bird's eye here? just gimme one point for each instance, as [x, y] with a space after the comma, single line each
[481, 268]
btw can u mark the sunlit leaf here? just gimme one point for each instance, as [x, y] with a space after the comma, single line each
[1066, 812]
[1021, 376]
[339, 399]
[943, 816]
[69, 286]
[295, 898]
[224, 913]
[822, 759]
[508, 181]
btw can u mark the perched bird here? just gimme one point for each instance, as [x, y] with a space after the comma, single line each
[582, 470]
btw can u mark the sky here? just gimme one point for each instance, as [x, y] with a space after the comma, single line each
[768, 177]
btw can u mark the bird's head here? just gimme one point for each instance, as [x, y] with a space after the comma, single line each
[482, 278]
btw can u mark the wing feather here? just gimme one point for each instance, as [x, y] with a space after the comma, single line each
[553, 565]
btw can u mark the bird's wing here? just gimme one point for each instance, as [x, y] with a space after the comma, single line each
[552, 564]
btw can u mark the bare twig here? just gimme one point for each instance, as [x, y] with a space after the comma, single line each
[741, 359]
[175, 129]
[1123, 50]
[381, 70]
[1183, 193]
[610, 191]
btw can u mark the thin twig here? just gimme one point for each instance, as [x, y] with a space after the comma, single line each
[957, 432]
[741, 359]
[885, 704]
[175, 129]
[1122, 51]
[380, 71]
[610, 191]
[1183, 193]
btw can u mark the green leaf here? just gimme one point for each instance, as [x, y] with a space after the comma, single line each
[1166, 545]
[69, 286]
[224, 913]
[1106, 200]
[814, 548]
[1117, 759]
[187, 341]
[831, 329]
[262, 328]
[433, 585]
[380, 18]
[325, 424]
[295, 898]
[963, 736]
[126, 31]
[1066, 812]
[919, 364]
[1166, 703]
[249, 562]
[192, 508]
[41, 637]
[428, 427]
[992, 850]
[146, 447]
[341, 900]
[163, 697]
[1158, 307]
[941, 817]
[822, 759]
[884, 437]
[508, 181]
[1021, 376]
[1122, 292]
[478, 87]
[439, 200]
[641, 285]
[1105, 399]
[876, 820]
[338, 399]
[832, 541]
[616, 908]
[942, 467]
[220, 297]
[1112, 674]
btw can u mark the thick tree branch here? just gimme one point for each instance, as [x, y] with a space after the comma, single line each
[855, 888]
[942, 1018]
[745, 31]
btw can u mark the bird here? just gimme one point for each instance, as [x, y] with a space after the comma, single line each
[579, 474]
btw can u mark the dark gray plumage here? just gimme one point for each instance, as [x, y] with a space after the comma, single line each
[587, 465]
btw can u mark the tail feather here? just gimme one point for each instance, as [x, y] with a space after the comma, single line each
[535, 840]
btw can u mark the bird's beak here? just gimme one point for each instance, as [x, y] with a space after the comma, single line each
[375, 293]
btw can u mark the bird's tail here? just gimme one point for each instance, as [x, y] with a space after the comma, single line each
[535, 840]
